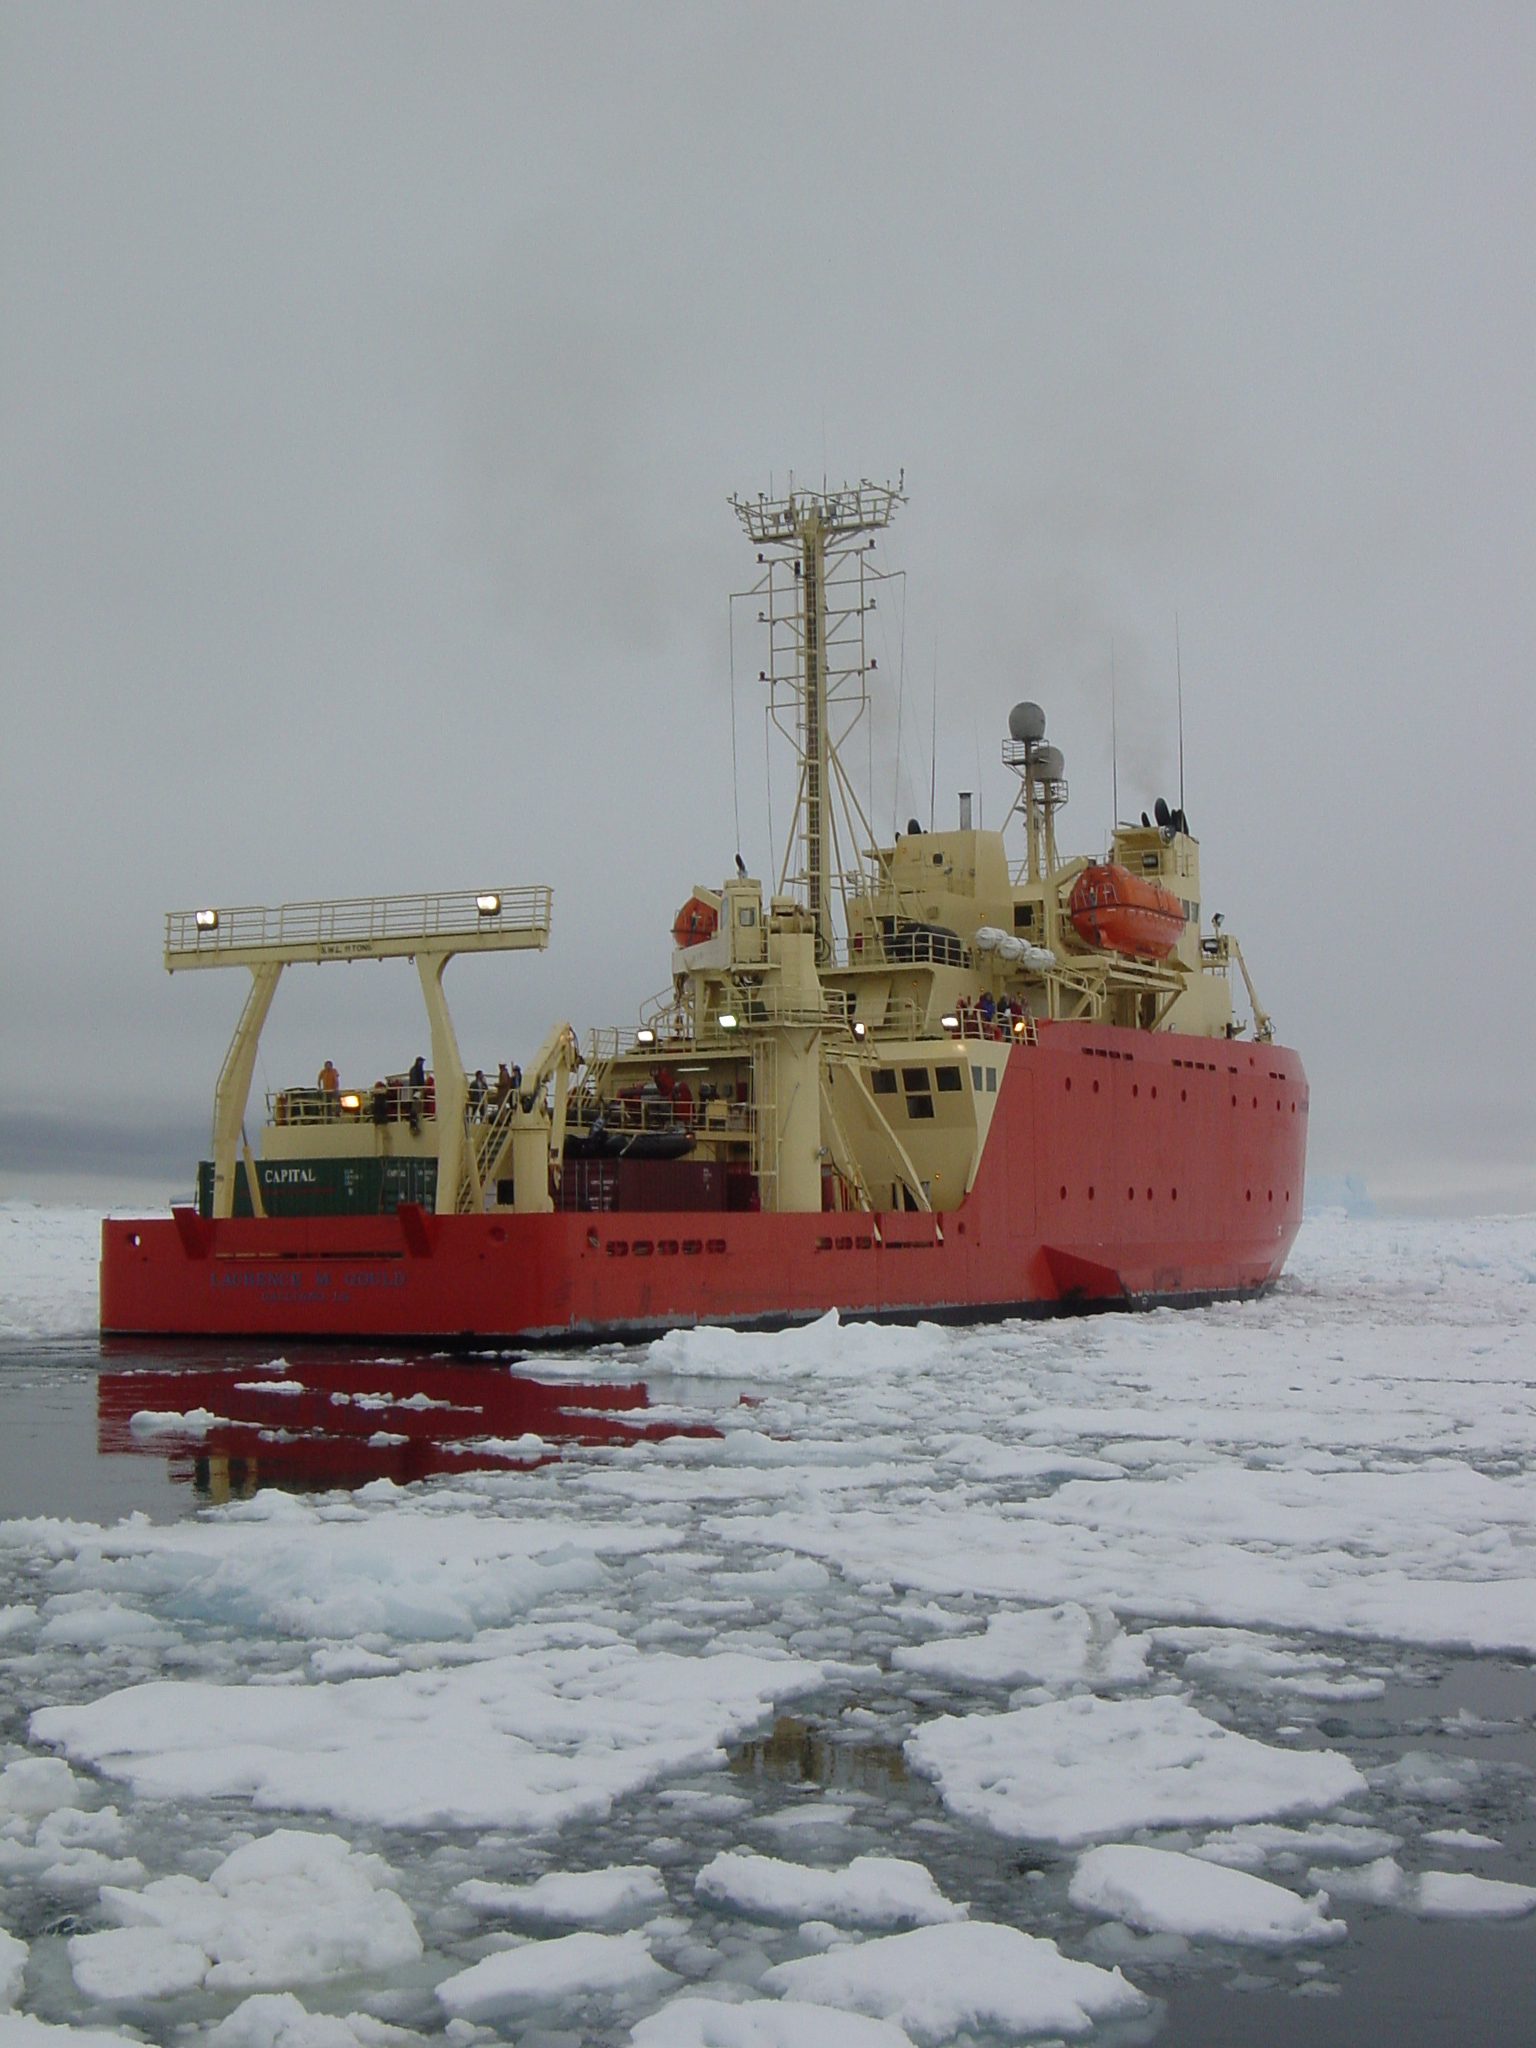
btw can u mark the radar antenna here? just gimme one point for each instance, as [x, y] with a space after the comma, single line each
[816, 590]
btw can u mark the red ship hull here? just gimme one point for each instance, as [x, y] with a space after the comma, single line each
[1121, 1166]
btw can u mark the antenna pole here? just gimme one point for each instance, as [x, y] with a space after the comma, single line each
[933, 742]
[1179, 663]
[1114, 736]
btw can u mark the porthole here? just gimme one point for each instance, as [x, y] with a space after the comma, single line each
[1069, 1084]
[1063, 1194]
[1183, 1095]
[1095, 1087]
[1090, 1194]
[1130, 1194]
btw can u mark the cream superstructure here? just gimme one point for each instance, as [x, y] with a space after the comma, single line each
[815, 1067]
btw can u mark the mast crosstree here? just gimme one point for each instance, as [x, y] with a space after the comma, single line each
[815, 593]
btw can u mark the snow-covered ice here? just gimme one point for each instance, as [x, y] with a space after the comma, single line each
[665, 1736]
[13, 1967]
[763, 2023]
[1059, 1647]
[871, 1891]
[972, 1974]
[1164, 1892]
[288, 1908]
[591, 1898]
[1434, 1894]
[537, 1735]
[568, 1966]
[1070, 1770]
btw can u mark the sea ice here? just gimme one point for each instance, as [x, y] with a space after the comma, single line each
[1433, 1894]
[38, 1785]
[1262, 1663]
[1070, 1770]
[1163, 1892]
[527, 1739]
[1251, 1846]
[570, 1966]
[288, 1908]
[13, 1968]
[1420, 1774]
[973, 1974]
[177, 1422]
[871, 1891]
[690, 2022]
[276, 2019]
[1460, 1838]
[587, 1898]
[1057, 1647]
[1459, 1895]
[21, 2030]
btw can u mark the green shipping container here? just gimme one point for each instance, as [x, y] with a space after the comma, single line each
[327, 1187]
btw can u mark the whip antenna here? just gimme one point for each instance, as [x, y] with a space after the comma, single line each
[1179, 665]
[1114, 738]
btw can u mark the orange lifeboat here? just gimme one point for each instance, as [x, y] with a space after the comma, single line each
[1122, 913]
[696, 922]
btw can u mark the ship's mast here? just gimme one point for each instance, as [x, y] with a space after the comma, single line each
[815, 592]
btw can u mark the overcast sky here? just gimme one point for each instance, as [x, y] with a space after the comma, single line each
[373, 383]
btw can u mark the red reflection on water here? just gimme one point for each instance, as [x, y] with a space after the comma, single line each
[328, 1422]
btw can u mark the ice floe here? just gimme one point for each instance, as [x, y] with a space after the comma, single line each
[530, 1738]
[1258, 1842]
[13, 1968]
[276, 2019]
[289, 1908]
[1058, 1647]
[1433, 1894]
[588, 1898]
[871, 1891]
[973, 1974]
[1071, 1770]
[694, 2022]
[569, 1966]
[1163, 1892]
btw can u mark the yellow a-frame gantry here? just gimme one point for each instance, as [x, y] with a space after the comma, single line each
[426, 929]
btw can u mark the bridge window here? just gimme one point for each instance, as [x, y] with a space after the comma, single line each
[915, 1080]
[884, 1082]
[950, 1080]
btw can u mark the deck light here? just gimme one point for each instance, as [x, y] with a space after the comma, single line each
[859, 1031]
[488, 904]
[950, 1023]
[1020, 1026]
[727, 1021]
[351, 1102]
[645, 1035]
[207, 920]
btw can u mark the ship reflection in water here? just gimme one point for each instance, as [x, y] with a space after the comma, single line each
[344, 1422]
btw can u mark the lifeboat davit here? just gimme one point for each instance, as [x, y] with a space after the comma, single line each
[696, 922]
[1123, 913]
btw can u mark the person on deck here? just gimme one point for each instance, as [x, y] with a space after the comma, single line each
[330, 1080]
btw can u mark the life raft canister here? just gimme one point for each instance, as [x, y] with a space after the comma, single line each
[696, 922]
[1123, 913]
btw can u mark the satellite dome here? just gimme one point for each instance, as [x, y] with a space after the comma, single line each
[1050, 764]
[1026, 722]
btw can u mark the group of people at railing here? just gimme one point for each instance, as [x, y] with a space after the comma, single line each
[985, 1017]
[487, 1099]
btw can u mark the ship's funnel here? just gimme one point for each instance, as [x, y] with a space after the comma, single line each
[1026, 723]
